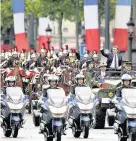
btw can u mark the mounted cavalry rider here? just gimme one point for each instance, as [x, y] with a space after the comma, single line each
[42, 59]
[13, 59]
[32, 63]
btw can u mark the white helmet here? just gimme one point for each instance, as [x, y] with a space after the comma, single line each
[65, 51]
[79, 76]
[43, 50]
[126, 77]
[60, 54]
[15, 53]
[11, 79]
[33, 55]
[70, 55]
[86, 55]
[53, 78]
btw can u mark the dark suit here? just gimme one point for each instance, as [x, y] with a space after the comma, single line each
[110, 58]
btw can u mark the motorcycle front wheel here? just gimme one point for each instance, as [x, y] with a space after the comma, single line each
[58, 134]
[86, 129]
[7, 133]
[46, 138]
[120, 138]
[15, 131]
[133, 134]
[76, 134]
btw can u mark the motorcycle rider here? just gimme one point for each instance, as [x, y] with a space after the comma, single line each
[13, 59]
[53, 83]
[11, 82]
[120, 116]
[80, 82]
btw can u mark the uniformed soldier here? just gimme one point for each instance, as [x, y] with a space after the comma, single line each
[32, 63]
[42, 59]
[13, 59]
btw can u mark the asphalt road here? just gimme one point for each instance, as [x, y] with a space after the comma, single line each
[30, 133]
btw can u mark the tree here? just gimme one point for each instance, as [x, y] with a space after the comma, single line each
[6, 13]
[101, 6]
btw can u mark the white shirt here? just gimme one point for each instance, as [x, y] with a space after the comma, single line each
[103, 74]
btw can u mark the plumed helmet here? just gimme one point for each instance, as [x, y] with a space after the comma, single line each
[53, 78]
[79, 76]
[33, 55]
[86, 55]
[43, 50]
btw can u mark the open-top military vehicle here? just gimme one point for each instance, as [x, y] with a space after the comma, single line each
[103, 107]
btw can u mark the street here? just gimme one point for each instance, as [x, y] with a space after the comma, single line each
[30, 133]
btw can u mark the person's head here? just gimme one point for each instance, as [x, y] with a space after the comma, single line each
[103, 67]
[53, 80]
[15, 54]
[90, 64]
[80, 79]
[86, 56]
[11, 81]
[126, 80]
[128, 66]
[43, 53]
[95, 57]
[115, 50]
[33, 57]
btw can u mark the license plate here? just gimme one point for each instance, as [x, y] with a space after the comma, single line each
[105, 100]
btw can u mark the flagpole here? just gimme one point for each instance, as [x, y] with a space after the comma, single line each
[107, 23]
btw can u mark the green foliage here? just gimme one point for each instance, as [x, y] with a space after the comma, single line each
[102, 9]
[6, 13]
[52, 8]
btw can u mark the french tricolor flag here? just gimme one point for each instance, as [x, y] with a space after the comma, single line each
[91, 25]
[123, 10]
[19, 28]
[43, 24]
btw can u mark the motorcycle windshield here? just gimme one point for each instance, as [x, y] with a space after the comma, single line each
[14, 94]
[83, 94]
[129, 97]
[56, 96]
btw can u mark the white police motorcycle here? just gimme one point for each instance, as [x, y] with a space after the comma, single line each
[12, 111]
[126, 106]
[81, 117]
[54, 114]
